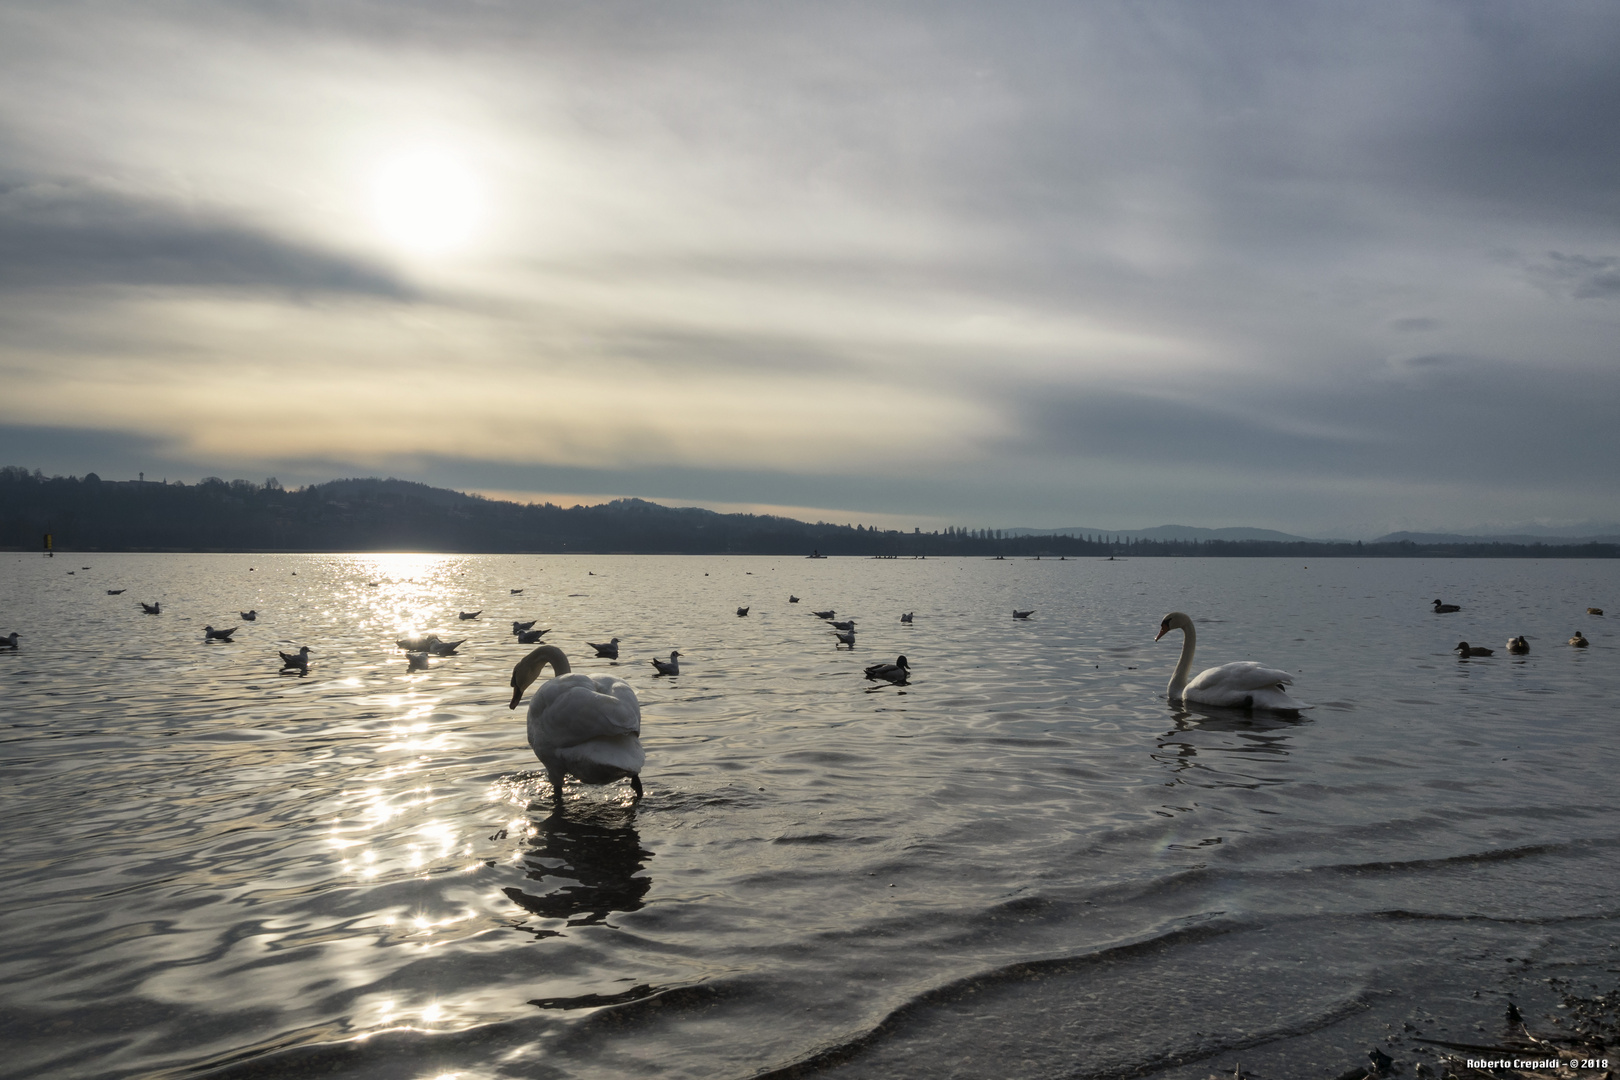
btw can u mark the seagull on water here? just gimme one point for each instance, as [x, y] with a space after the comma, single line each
[249, 616]
[607, 650]
[824, 614]
[846, 637]
[9, 641]
[298, 661]
[210, 634]
[668, 667]
[529, 637]
[151, 609]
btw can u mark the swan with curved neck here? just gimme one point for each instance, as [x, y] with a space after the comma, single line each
[1242, 685]
[584, 726]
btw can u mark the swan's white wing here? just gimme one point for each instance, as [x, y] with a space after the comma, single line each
[575, 709]
[1244, 684]
[1243, 675]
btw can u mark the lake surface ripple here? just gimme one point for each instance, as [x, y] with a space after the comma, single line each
[1024, 864]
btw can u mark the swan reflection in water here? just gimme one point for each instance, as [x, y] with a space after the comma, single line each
[587, 865]
[1254, 737]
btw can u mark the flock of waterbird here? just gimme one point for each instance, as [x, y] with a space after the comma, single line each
[589, 726]
[1516, 646]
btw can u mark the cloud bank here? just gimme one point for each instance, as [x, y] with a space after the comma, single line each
[1297, 266]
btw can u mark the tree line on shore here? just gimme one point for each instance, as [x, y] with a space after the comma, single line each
[90, 514]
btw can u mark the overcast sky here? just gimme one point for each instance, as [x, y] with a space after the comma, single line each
[1329, 268]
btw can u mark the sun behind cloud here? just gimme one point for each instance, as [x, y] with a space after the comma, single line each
[427, 201]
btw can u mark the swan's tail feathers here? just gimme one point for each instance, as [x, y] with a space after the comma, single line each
[604, 760]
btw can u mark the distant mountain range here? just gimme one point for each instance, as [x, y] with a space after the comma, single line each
[89, 514]
[1550, 539]
[1592, 532]
[1170, 532]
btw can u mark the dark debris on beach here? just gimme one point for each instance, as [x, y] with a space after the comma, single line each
[1583, 1038]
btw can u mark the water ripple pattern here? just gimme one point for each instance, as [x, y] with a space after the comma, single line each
[1024, 863]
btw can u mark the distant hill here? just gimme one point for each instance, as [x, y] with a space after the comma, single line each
[1522, 539]
[1170, 532]
[89, 514]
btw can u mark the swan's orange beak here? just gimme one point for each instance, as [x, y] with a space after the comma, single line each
[1163, 630]
[517, 695]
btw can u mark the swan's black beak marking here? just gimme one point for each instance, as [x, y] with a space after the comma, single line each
[517, 695]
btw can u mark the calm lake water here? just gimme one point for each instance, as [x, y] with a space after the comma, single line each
[1024, 864]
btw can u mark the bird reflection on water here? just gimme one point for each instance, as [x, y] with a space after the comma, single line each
[1255, 736]
[588, 862]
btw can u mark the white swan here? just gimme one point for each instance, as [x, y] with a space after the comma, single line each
[1243, 685]
[580, 725]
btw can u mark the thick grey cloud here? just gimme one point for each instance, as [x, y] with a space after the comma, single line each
[1457, 419]
[1584, 277]
[54, 235]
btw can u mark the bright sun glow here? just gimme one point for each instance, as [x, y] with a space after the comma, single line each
[426, 201]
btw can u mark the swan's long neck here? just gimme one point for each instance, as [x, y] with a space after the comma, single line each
[529, 668]
[1189, 642]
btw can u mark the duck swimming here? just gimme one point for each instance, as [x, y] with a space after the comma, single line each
[1471, 650]
[1518, 646]
[1440, 608]
[896, 673]
[1579, 640]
